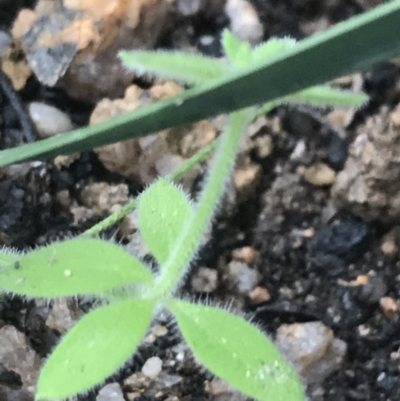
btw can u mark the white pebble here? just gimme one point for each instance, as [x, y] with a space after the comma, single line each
[244, 21]
[312, 348]
[152, 367]
[49, 120]
[110, 392]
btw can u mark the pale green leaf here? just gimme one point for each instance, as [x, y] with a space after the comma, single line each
[179, 66]
[237, 352]
[7, 256]
[271, 48]
[163, 211]
[81, 266]
[324, 95]
[95, 348]
[238, 52]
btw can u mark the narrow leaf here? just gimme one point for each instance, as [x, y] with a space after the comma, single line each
[238, 52]
[323, 95]
[81, 266]
[95, 348]
[182, 67]
[163, 211]
[237, 352]
[271, 48]
[347, 47]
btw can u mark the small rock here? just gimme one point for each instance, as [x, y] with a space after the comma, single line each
[320, 175]
[5, 42]
[313, 350]
[217, 387]
[63, 315]
[338, 151]
[259, 295]
[221, 391]
[168, 381]
[339, 118]
[63, 198]
[159, 330]
[244, 21]
[81, 214]
[16, 69]
[200, 135]
[205, 280]
[309, 232]
[111, 392]
[152, 367]
[103, 197]
[362, 279]
[210, 45]
[136, 383]
[368, 185]
[66, 160]
[372, 291]
[239, 277]
[345, 237]
[146, 158]
[49, 120]
[264, 146]
[7, 394]
[299, 151]
[390, 307]
[75, 44]
[247, 254]
[23, 23]
[389, 246]
[17, 355]
[156, 331]
[246, 180]
[188, 7]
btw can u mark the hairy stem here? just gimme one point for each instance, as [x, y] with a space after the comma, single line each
[190, 238]
[200, 156]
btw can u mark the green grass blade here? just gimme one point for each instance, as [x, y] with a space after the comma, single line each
[350, 46]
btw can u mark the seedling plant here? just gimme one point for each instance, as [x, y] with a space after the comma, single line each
[129, 295]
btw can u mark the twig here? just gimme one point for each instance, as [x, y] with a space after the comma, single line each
[28, 128]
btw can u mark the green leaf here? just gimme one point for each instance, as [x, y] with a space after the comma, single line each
[163, 211]
[271, 48]
[182, 67]
[238, 52]
[323, 95]
[95, 348]
[237, 352]
[350, 46]
[82, 266]
[8, 257]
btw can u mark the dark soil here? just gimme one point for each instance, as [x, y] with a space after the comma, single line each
[301, 275]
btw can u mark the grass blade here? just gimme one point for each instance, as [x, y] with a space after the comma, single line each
[350, 46]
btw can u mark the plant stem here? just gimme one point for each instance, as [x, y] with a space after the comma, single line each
[200, 156]
[191, 236]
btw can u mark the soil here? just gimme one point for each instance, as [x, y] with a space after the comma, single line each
[307, 278]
